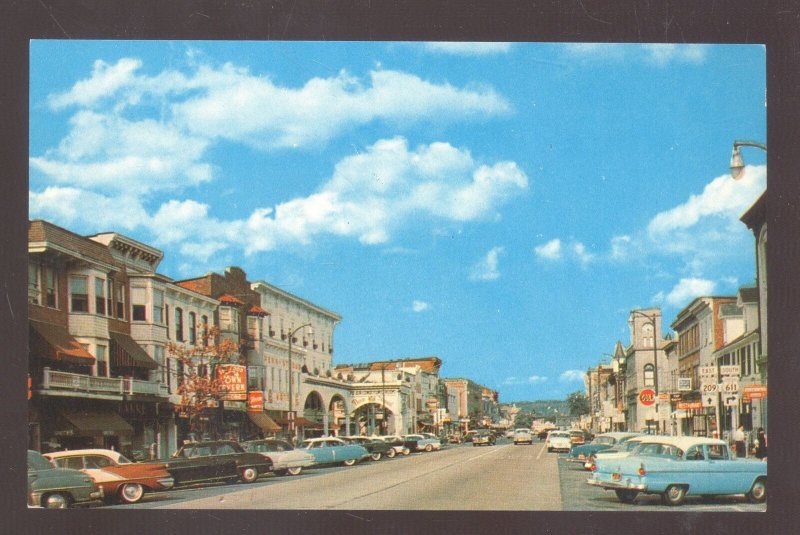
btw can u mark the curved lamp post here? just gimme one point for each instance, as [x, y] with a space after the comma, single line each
[737, 163]
[292, 427]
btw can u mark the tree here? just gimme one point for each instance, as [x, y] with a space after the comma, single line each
[578, 404]
[198, 383]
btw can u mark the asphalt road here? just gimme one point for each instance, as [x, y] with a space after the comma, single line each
[503, 477]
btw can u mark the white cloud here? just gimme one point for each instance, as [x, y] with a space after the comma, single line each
[105, 81]
[571, 376]
[74, 206]
[531, 380]
[656, 53]
[468, 49]
[487, 268]
[620, 247]
[550, 250]
[662, 53]
[420, 306]
[584, 257]
[687, 289]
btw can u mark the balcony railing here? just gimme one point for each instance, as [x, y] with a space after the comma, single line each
[57, 380]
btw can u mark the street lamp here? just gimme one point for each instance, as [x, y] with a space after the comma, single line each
[737, 163]
[292, 428]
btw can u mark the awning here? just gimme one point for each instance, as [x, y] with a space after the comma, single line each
[96, 421]
[125, 352]
[262, 420]
[54, 342]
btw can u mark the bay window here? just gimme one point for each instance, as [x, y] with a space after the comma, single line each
[139, 304]
[79, 293]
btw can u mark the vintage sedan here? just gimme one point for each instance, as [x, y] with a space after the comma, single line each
[484, 438]
[423, 443]
[558, 441]
[620, 449]
[603, 441]
[58, 488]
[214, 461]
[523, 435]
[398, 445]
[377, 448]
[285, 458]
[331, 450]
[676, 467]
[119, 478]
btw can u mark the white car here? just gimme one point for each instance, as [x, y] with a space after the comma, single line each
[523, 436]
[424, 443]
[397, 443]
[558, 441]
[285, 459]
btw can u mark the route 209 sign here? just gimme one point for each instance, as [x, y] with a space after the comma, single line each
[647, 397]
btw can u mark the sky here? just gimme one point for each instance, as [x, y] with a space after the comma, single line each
[502, 206]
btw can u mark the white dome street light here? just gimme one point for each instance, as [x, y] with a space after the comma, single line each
[737, 163]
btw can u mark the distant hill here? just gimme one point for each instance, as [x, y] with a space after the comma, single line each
[544, 408]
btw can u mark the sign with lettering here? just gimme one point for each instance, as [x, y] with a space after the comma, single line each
[730, 370]
[232, 382]
[690, 405]
[685, 384]
[707, 372]
[255, 401]
[647, 397]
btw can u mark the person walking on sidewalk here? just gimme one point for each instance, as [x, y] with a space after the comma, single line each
[739, 443]
[761, 444]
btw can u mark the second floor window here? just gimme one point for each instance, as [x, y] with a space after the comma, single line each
[78, 294]
[252, 327]
[34, 289]
[100, 296]
[121, 301]
[158, 306]
[192, 328]
[649, 375]
[179, 324]
[138, 304]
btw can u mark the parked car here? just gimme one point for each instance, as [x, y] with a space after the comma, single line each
[469, 435]
[285, 458]
[676, 467]
[58, 488]
[219, 460]
[484, 438]
[376, 448]
[579, 437]
[119, 478]
[622, 448]
[603, 441]
[558, 441]
[424, 444]
[332, 450]
[523, 436]
[398, 445]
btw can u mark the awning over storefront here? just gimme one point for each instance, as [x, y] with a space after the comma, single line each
[96, 421]
[264, 422]
[54, 342]
[301, 422]
[125, 352]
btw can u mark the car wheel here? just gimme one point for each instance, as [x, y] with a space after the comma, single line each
[131, 492]
[375, 456]
[294, 471]
[429, 447]
[674, 495]
[626, 496]
[391, 453]
[249, 474]
[406, 451]
[758, 493]
[56, 500]
[281, 472]
[349, 462]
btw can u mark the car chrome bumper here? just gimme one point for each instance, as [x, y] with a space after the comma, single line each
[166, 482]
[624, 485]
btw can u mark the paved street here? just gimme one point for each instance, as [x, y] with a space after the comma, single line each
[501, 477]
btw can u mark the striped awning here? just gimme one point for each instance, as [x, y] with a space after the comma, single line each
[262, 420]
[126, 353]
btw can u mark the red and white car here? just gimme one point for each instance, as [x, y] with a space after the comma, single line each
[114, 473]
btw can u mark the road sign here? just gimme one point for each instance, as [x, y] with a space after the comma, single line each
[728, 387]
[710, 400]
[730, 370]
[707, 371]
[730, 400]
[647, 397]
[709, 388]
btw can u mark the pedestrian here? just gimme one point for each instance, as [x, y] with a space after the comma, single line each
[739, 443]
[761, 444]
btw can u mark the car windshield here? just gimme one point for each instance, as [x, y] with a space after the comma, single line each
[654, 449]
[37, 462]
[603, 440]
[559, 435]
[123, 460]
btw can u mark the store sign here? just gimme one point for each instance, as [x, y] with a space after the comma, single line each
[255, 401]
[690, 405]
[232, 382]
[685, 384]
[754, 392]
[647, 397]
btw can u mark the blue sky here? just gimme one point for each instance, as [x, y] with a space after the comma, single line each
[502, 206]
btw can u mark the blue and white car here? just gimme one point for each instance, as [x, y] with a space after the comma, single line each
[424, 443]
[331, 450]
[676, 467]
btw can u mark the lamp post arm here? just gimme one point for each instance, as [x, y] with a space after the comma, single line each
[747, 143]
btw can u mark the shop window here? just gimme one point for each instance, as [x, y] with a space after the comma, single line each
[79, 294]
[138, 304]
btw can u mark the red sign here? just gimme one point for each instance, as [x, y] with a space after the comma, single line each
[255, 401]
[690, 405]
[647, 397]
[232, 382]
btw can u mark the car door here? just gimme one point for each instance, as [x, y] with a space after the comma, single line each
[725, 474]
[94, 466]
[226, 460]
